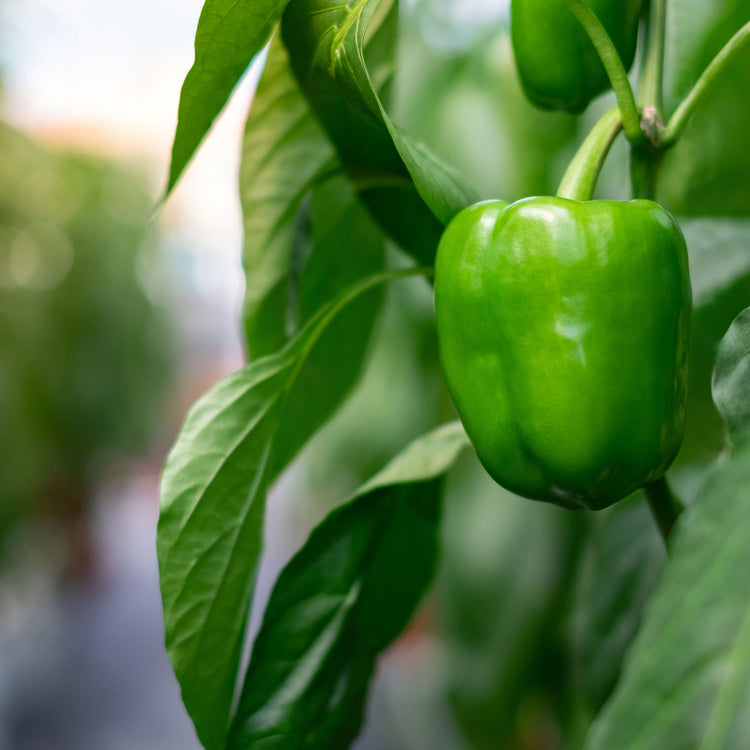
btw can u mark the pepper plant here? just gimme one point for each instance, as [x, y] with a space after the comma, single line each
[582, 358]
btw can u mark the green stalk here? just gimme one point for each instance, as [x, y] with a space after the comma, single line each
[684, 112]
[618, 76]
[650, 86]
[645, 160]
[580, 178]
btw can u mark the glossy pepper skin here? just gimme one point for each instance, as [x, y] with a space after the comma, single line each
[564, 332]
[557, 64]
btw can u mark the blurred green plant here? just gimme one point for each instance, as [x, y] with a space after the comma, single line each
[84, 353]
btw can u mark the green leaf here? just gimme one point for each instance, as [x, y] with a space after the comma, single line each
[341, 600]
[719, 256]
[719, 252]
[306, 238]
[622, 565]
[286, 158]
[210, 526]
[285, 154]
[410, 192]
[210, 534]
[731, 381]
[348, 246]
[686, 683]
[230, 33]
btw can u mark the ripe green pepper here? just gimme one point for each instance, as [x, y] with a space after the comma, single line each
[557, 63]
[564, 331]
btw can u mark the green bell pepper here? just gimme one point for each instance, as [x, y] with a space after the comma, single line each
[557, 63]
[564, 332]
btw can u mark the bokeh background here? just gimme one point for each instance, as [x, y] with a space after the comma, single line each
[113, 318]
[116, 315]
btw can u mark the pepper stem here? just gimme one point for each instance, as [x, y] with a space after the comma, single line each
[618, 76]
[652, 74]
[664, 504]
[580, 177]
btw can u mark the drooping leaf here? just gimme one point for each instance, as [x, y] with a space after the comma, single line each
[229, 35]
[731, 381]
[210, 526]
[340, 601]
[409, 191]
[686, 682]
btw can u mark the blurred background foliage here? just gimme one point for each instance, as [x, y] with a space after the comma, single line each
[84, 353]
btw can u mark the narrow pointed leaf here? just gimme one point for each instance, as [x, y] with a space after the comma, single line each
[229, 35]
[210, 534]
[340, 601]
[211, 520]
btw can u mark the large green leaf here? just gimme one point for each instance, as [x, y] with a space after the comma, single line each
[731, 382]
[306, 238]
[285, 154]
[286, 157]
[409, 191]
[348, 246]
[210, 534]
[210, 527]
[340, 601]
[230, 33]
[686, 683]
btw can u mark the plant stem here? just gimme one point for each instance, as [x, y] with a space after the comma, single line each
[644, 164]
[580, 177]
[650, 85]
[645, 159]
[682, 114]
[664, 505]
[618, 76]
